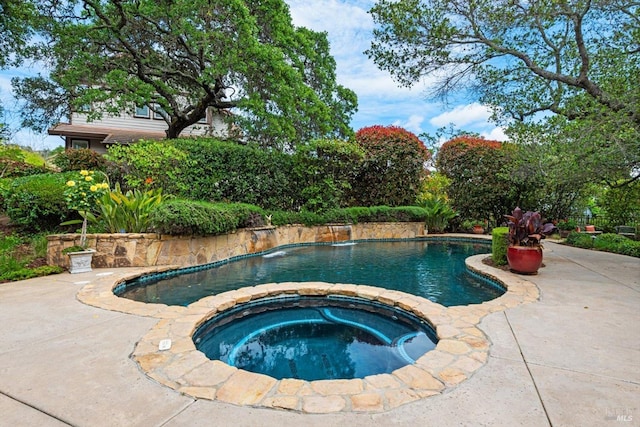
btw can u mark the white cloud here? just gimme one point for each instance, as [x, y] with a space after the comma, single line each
[496, 134]
[463, 115]
[413, 123]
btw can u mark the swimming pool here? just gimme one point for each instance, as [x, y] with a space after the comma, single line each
[430, 269]
[315, 338]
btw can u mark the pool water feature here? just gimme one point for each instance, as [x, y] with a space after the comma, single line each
[433, 270]
[315, 338]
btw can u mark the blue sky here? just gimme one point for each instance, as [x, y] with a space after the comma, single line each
[380, 100]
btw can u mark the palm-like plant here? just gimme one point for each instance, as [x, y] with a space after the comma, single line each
[439, 213]
[127, 212]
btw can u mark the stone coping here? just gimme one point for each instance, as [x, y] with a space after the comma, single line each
[462, 348]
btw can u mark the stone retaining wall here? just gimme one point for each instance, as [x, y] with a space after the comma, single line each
[149, 249]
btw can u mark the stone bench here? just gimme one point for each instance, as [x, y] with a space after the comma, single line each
[627, 231]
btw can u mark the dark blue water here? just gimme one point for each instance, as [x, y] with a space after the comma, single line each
[315, 338]
[433, 270]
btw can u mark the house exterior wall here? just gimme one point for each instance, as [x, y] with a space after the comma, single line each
[129, 121]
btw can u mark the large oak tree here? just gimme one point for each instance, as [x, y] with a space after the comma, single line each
[573, 65]
[181, 57]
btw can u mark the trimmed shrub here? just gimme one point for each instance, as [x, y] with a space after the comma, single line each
[149, 165]
[229, 172]
[580, 240]
[189, 217]
[477, 181]
[327, 167]
[15, 168]
[75, 159]
[499, 245]
[393, 168]
[37, 203]
[352, 215]
[617, 244]
[303, 217]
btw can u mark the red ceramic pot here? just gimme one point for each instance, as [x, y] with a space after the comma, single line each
[524, 259]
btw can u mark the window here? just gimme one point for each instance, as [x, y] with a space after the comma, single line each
[79, 143]
[159, 113]
[203, 119]
[142, 112]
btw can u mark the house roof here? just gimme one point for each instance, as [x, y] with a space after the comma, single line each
[106, 135]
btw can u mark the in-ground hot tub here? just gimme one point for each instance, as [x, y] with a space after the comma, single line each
[315, 338]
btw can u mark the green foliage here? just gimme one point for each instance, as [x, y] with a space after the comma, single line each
[435, 186]
[18, 19]
[622, 204]
[477, 185]
[439, 213]
[302, 217]
[327, 168]
[23, 273]
[351, 215]
[394, 166]
[8, 243]
[5, 185]
[151, 164]
[608, 242]
[14, 259]
[187, 56]
[499, 245]
[616, 243]
[16, 161]
[188, 217]
[521, 64]
[126, 212]
[80, 159]
[567, 225]
[37, 202]
[580, 240]
[225, 171]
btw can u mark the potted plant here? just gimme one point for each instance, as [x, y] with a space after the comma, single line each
[81, 195]
[475, 226]
[566, 227]
[526, 230]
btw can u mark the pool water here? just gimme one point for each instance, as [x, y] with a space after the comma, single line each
[433, 270]
[315, 338]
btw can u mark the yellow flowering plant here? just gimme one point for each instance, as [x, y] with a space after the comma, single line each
[81, 194]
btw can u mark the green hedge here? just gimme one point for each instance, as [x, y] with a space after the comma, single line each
[580, 240]
[37, 203]
[226, 171]
[616, 243]
[75, 159]
[608, 242]
[188, 217]
[319, 176]
[499, 245]
[352, 215]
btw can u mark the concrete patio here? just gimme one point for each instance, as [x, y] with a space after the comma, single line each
[570, 359]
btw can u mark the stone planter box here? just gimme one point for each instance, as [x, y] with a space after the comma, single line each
[80, 262]
[149, 249]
